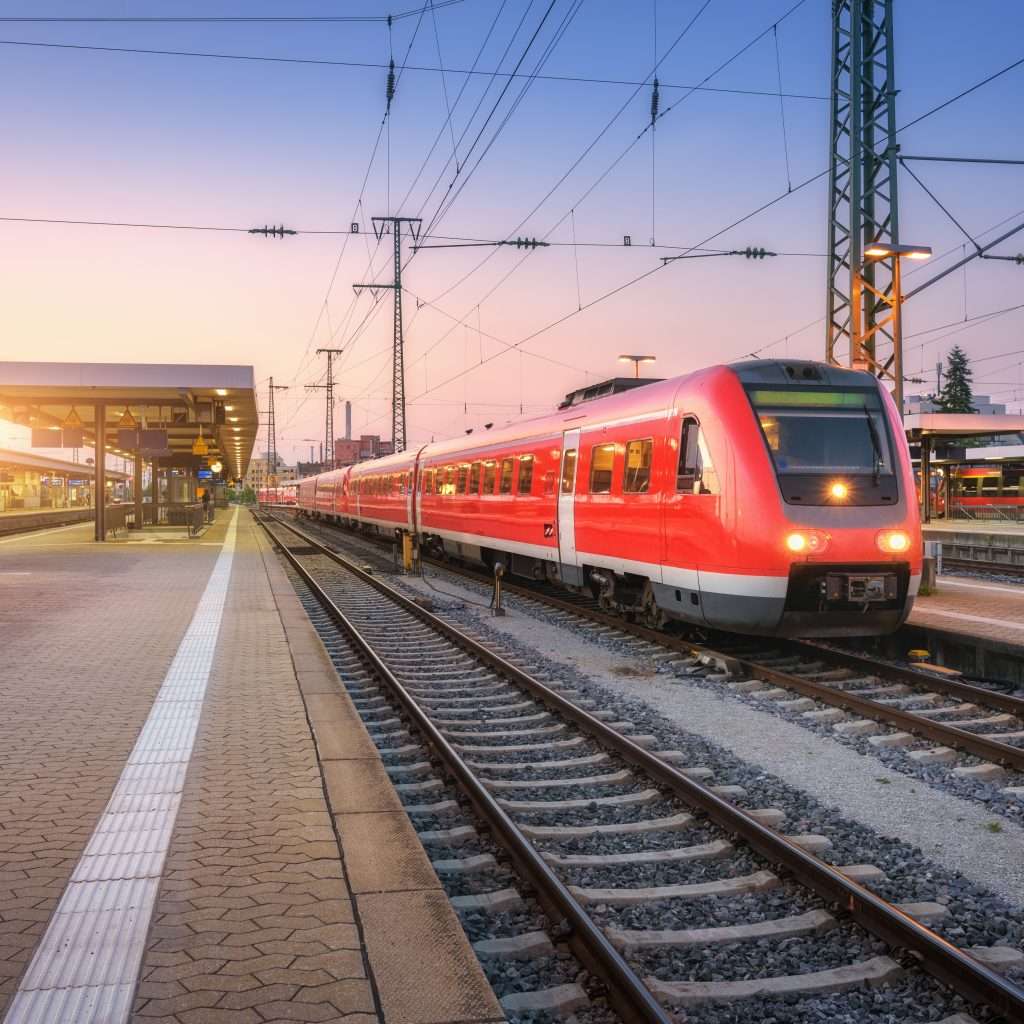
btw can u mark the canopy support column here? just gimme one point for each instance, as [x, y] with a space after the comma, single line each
[100, 496]
[138, 489]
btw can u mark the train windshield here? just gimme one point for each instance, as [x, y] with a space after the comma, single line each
[824, 431]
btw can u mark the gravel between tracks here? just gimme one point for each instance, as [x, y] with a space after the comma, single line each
[957, 835]
[617, 677]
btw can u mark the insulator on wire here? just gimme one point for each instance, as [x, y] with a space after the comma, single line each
[391, 82]
[655, 101]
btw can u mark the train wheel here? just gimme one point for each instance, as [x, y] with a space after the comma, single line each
[651, 615]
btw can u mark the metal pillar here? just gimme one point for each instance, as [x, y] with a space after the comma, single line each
[398, 357]
[138, 489]
[381, 225]
[155, 471]
[100, 498]
[271, 480]
[328, 453]
[926, 481]
[863, 323]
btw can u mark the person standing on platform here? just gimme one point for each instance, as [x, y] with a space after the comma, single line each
[206, 504]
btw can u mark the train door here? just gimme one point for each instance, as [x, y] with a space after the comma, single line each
[567, 498]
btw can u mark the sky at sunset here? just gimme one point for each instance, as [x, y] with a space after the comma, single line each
[183, 140]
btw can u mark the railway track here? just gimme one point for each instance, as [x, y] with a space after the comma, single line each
[606, 830]
[937, 720]
[1013, 569]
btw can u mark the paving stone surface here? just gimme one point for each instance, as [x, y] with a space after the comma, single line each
[254, 921]
[990, 610]
[73, 701]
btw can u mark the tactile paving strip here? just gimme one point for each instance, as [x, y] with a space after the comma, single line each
[87, 963]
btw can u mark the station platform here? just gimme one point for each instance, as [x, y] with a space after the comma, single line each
[942, 528]
[194, 825]
[972, 625]
[991, 610]
[18, 520]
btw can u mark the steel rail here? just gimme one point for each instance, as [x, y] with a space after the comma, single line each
[917, 677]
[948, 735]
[631, 998]
[951, 965]
[981, 565]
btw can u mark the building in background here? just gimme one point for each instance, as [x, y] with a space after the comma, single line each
[914, 405]
[259, 472]
[304, 469]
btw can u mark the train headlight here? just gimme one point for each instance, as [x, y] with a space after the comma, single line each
[806, 542]
[893, 542]
[839, 491]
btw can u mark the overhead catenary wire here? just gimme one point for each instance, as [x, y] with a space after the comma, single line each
[207, 19]
[782, 107]
[600, 135]
[446, 202]
[740, 220]
[419, 68]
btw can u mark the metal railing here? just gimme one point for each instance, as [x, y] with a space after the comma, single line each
[987, 513]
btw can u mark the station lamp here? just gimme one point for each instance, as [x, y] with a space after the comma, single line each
[862, 333]
[883, 250]
[636, 361]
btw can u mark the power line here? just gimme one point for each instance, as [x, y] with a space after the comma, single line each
[587, 150]
[237, 19]
[376, 66]
[641, 277]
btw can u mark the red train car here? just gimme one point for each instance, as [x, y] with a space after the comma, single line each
[283, 494]
[768, 497]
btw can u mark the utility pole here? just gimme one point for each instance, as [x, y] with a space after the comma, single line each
[272, 433]
[863, 326]
[381, 226]
[329, 388]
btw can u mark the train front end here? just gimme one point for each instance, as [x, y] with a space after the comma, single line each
[844, 530]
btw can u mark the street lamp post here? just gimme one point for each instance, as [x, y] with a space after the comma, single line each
[636, 361]
[862, 350]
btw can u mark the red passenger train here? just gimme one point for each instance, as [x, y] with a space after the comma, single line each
[282, 494]
[766, 497]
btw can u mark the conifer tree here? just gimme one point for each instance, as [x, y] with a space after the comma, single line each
[956, 394]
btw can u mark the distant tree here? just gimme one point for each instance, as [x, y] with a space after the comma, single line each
[956, 394]
[249, 496]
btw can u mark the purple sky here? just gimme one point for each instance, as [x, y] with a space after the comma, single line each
[181, 140]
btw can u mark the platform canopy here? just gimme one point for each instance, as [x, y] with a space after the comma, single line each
[179, 403]
[951, 424]
[12, 458]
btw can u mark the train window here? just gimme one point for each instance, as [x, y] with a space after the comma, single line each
[506, 476]
[1013, 481]
[401, 483]
[525, 474]
[427, 481]
[474, 477]
[689, 457]
[824, 430]
[638, 466]
[568, 470]
[602, 459]
[460, 486]
[489, 476]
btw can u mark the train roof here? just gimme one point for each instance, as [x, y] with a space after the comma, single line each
[650, 399]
